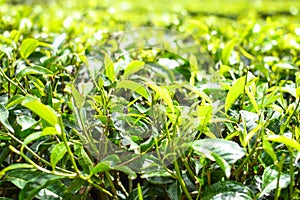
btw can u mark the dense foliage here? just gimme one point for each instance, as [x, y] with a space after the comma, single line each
[201, 104]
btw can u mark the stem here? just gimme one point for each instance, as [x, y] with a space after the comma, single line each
[189, 170]
[290, 194]
[278, 189]
[78, 113]
[201, 182]
[111, 184]
[181, 181]
[12, 82]
[98, 187]
[34, 154]
[13, 149]
[65, 140]
[236, 173]
[289, 118]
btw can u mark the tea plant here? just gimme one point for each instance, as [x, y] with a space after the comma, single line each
[87, 112]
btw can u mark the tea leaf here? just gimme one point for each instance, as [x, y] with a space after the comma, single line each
[43, 111]
[27, 47]
[3, 118]
[285, 140]
[133, 67]
[269, 181]
[234, 92]
[164, 94]
[134, 86]
[109, 68]
[57, 154]
[227, 150]
[227, 190]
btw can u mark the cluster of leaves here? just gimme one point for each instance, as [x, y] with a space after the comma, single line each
[75, 123]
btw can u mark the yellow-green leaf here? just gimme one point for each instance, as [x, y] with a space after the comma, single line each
[285, 140]
[227, 50]
[133, 67]
[27, 47]
[43, 111]
[164, 94]
[109, 68]
[234, 92]
[134, 86]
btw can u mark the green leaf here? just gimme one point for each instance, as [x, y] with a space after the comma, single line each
[227, 190]
[133, 67]
[15, 100]
[285, 140]
[36, 135]
[123, 168]
[109, 68]
[25, 121]
[193, 63]
[234, 92]
[101, 167]
[35, 185]
[13, 167]
[20, 177]
[298, 93]
[252, 99]
[297, 75]
[33, 70]
[134, 86]
[43, 111]
[252, 133]
[85, 88]
[227, 150]
[205, 114]
[223, 164]
[78, 98]
[27, 47]
[113, 159]
[86, 159]
[4, 118]
[269, 150]
[226, 52]
[75, 185]
[57, 154]
[140, 192]
[269, 181]
[163, 93]
[174, 191]
[106, 164]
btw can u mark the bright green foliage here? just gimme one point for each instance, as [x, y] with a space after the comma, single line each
[203, 106]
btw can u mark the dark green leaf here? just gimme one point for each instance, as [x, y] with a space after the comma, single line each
[227, 190]
[227, 150]
[269, 181]
[35, 185]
